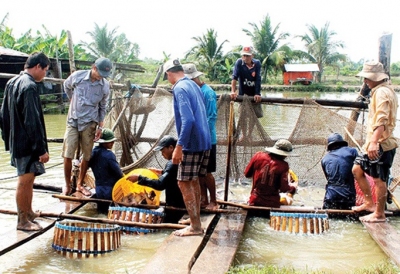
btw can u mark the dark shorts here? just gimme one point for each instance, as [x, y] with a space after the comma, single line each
[193, 165]
[212, 161]
[27, 164]
[377, 169]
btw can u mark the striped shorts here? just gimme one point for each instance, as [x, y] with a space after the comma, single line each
[193, 165]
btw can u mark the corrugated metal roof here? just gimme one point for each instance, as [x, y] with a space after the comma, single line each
[301, 67]
[11, 52]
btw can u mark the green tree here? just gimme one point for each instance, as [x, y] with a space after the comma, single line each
[111, 45]
[321, 48]
[208, 53]
[266, 40]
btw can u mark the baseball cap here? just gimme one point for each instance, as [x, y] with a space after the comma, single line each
[247, 51]
[172, 63]
[165, 141]
[104, 66]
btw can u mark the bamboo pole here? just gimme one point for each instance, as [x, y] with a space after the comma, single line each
[101, 220]
[228, 157]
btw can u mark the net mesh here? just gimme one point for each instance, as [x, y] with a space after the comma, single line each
[140, 120]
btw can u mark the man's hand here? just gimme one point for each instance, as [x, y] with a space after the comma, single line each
[44, 158]
[257, 98]
[177, 155]
[133, 178]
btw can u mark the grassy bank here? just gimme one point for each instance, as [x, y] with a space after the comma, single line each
[386, 267]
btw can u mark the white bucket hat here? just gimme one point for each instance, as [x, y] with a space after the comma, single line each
[373, 71]
[282, 147]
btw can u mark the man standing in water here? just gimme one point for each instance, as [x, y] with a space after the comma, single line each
[380, 145]
[24, 134]
[192, 150]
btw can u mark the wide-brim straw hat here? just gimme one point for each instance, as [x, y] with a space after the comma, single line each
[373, 71]
[282, 147]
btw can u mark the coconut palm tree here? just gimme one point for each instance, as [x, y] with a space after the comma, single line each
[208, 53]
[108, 44]
[321, 48]
[266, 42]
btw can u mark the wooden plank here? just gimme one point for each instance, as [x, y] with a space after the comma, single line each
[220, 250]
[176, 253]
[13, 238]
[387, 237]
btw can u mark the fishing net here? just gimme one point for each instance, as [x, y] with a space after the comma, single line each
[141, 119]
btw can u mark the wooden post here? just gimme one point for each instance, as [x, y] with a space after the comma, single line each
[385, 46]
[72, 67]
[228, 158]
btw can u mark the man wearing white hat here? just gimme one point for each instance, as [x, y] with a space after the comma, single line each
[269, 171]
[207, 182]
[380, 146]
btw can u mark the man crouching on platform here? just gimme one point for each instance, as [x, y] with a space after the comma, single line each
[380, 145]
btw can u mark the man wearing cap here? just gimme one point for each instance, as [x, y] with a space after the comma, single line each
[269, 171]
[194, 141]
[166, 181]
[88, 92]
[104, 165]
[380, 144]
[208, 182]
[247, 71]
[337, 165]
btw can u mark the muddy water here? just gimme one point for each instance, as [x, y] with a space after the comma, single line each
[346, 246]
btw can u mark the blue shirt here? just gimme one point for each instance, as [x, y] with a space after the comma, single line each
[106, 171]
[249, 79]
[88, 100]
[337, 165]
[190, 116]
[211, 108]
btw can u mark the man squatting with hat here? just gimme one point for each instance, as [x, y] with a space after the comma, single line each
[337, 164]
[380, 145]
[270, 175]
[166, 181]
[207, 182]
[194, 141]
[105, 167]
[88, 92]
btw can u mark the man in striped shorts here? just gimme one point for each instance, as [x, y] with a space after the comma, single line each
[194, 141]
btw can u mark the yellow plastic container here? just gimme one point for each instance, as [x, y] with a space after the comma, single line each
[124, 187]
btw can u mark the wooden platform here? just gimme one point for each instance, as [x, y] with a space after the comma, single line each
[13, 238]
[212, 252]
[387, 237]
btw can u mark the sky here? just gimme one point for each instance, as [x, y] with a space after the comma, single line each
[159, 26]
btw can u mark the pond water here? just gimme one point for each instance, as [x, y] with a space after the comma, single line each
[346, 246]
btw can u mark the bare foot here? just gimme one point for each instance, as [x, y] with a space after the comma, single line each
[212, 206]
[29, 226]
[33, 215]
[83, 190]
[66, 191]
[188, 231]
[364, 207]
[373, 218]
[184, 222]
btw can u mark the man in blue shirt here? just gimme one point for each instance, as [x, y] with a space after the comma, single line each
[337, 165]
[208, 182]
[105, 167]
[194, 141]
[247, 71]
